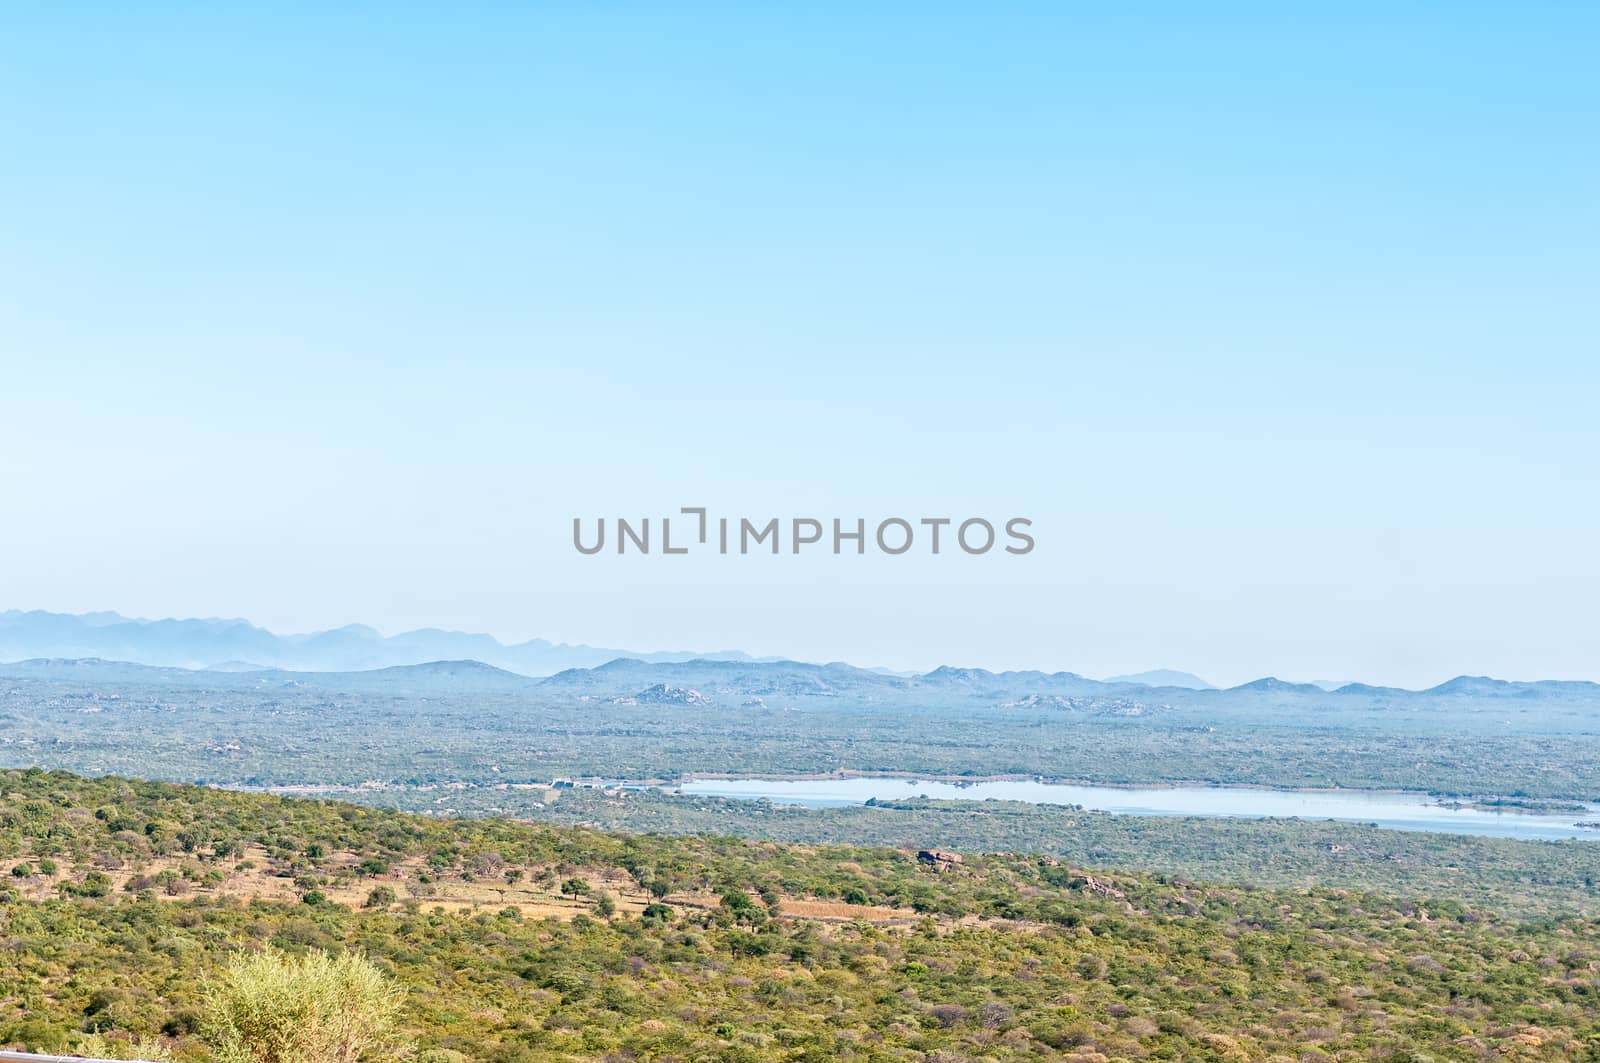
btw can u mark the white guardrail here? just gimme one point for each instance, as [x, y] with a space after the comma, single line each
[29, 1057]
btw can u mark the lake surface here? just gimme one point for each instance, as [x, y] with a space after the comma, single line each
[1396, 811]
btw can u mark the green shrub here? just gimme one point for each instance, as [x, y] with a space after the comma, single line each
[319, 1008]
[99, 1046]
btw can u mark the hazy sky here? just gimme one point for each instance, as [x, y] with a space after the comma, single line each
[1280, 323]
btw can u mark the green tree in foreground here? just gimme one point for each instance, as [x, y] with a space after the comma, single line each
[319, 1008]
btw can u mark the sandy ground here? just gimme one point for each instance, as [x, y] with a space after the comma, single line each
[256, 876]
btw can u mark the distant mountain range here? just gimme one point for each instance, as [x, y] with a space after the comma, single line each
[99, 645]
[1163, 677]
[239, 646]
[757, 685]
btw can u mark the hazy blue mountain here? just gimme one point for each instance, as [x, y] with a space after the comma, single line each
[444, 698]
[745, 678]
[430, 679]
[236, 655]
[91, 670]
[1479, 686]
[1273, 685]
[982, 681]
[238, 645]
[1366, 689]
[434, 677]
[1163, 677]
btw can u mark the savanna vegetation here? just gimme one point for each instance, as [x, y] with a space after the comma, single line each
[1521, 878]
[126, 903]
[419, 728]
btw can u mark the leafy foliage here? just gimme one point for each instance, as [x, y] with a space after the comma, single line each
[267, 1007]
[752, 951]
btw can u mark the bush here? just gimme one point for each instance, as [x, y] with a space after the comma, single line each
[37, 1035]
[319, 1008]
[99, 1046]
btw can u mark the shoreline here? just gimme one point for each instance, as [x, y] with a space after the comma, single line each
[1486, 804]
[1055, 780]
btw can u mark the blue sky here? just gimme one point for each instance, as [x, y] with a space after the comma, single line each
[1279, 323]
